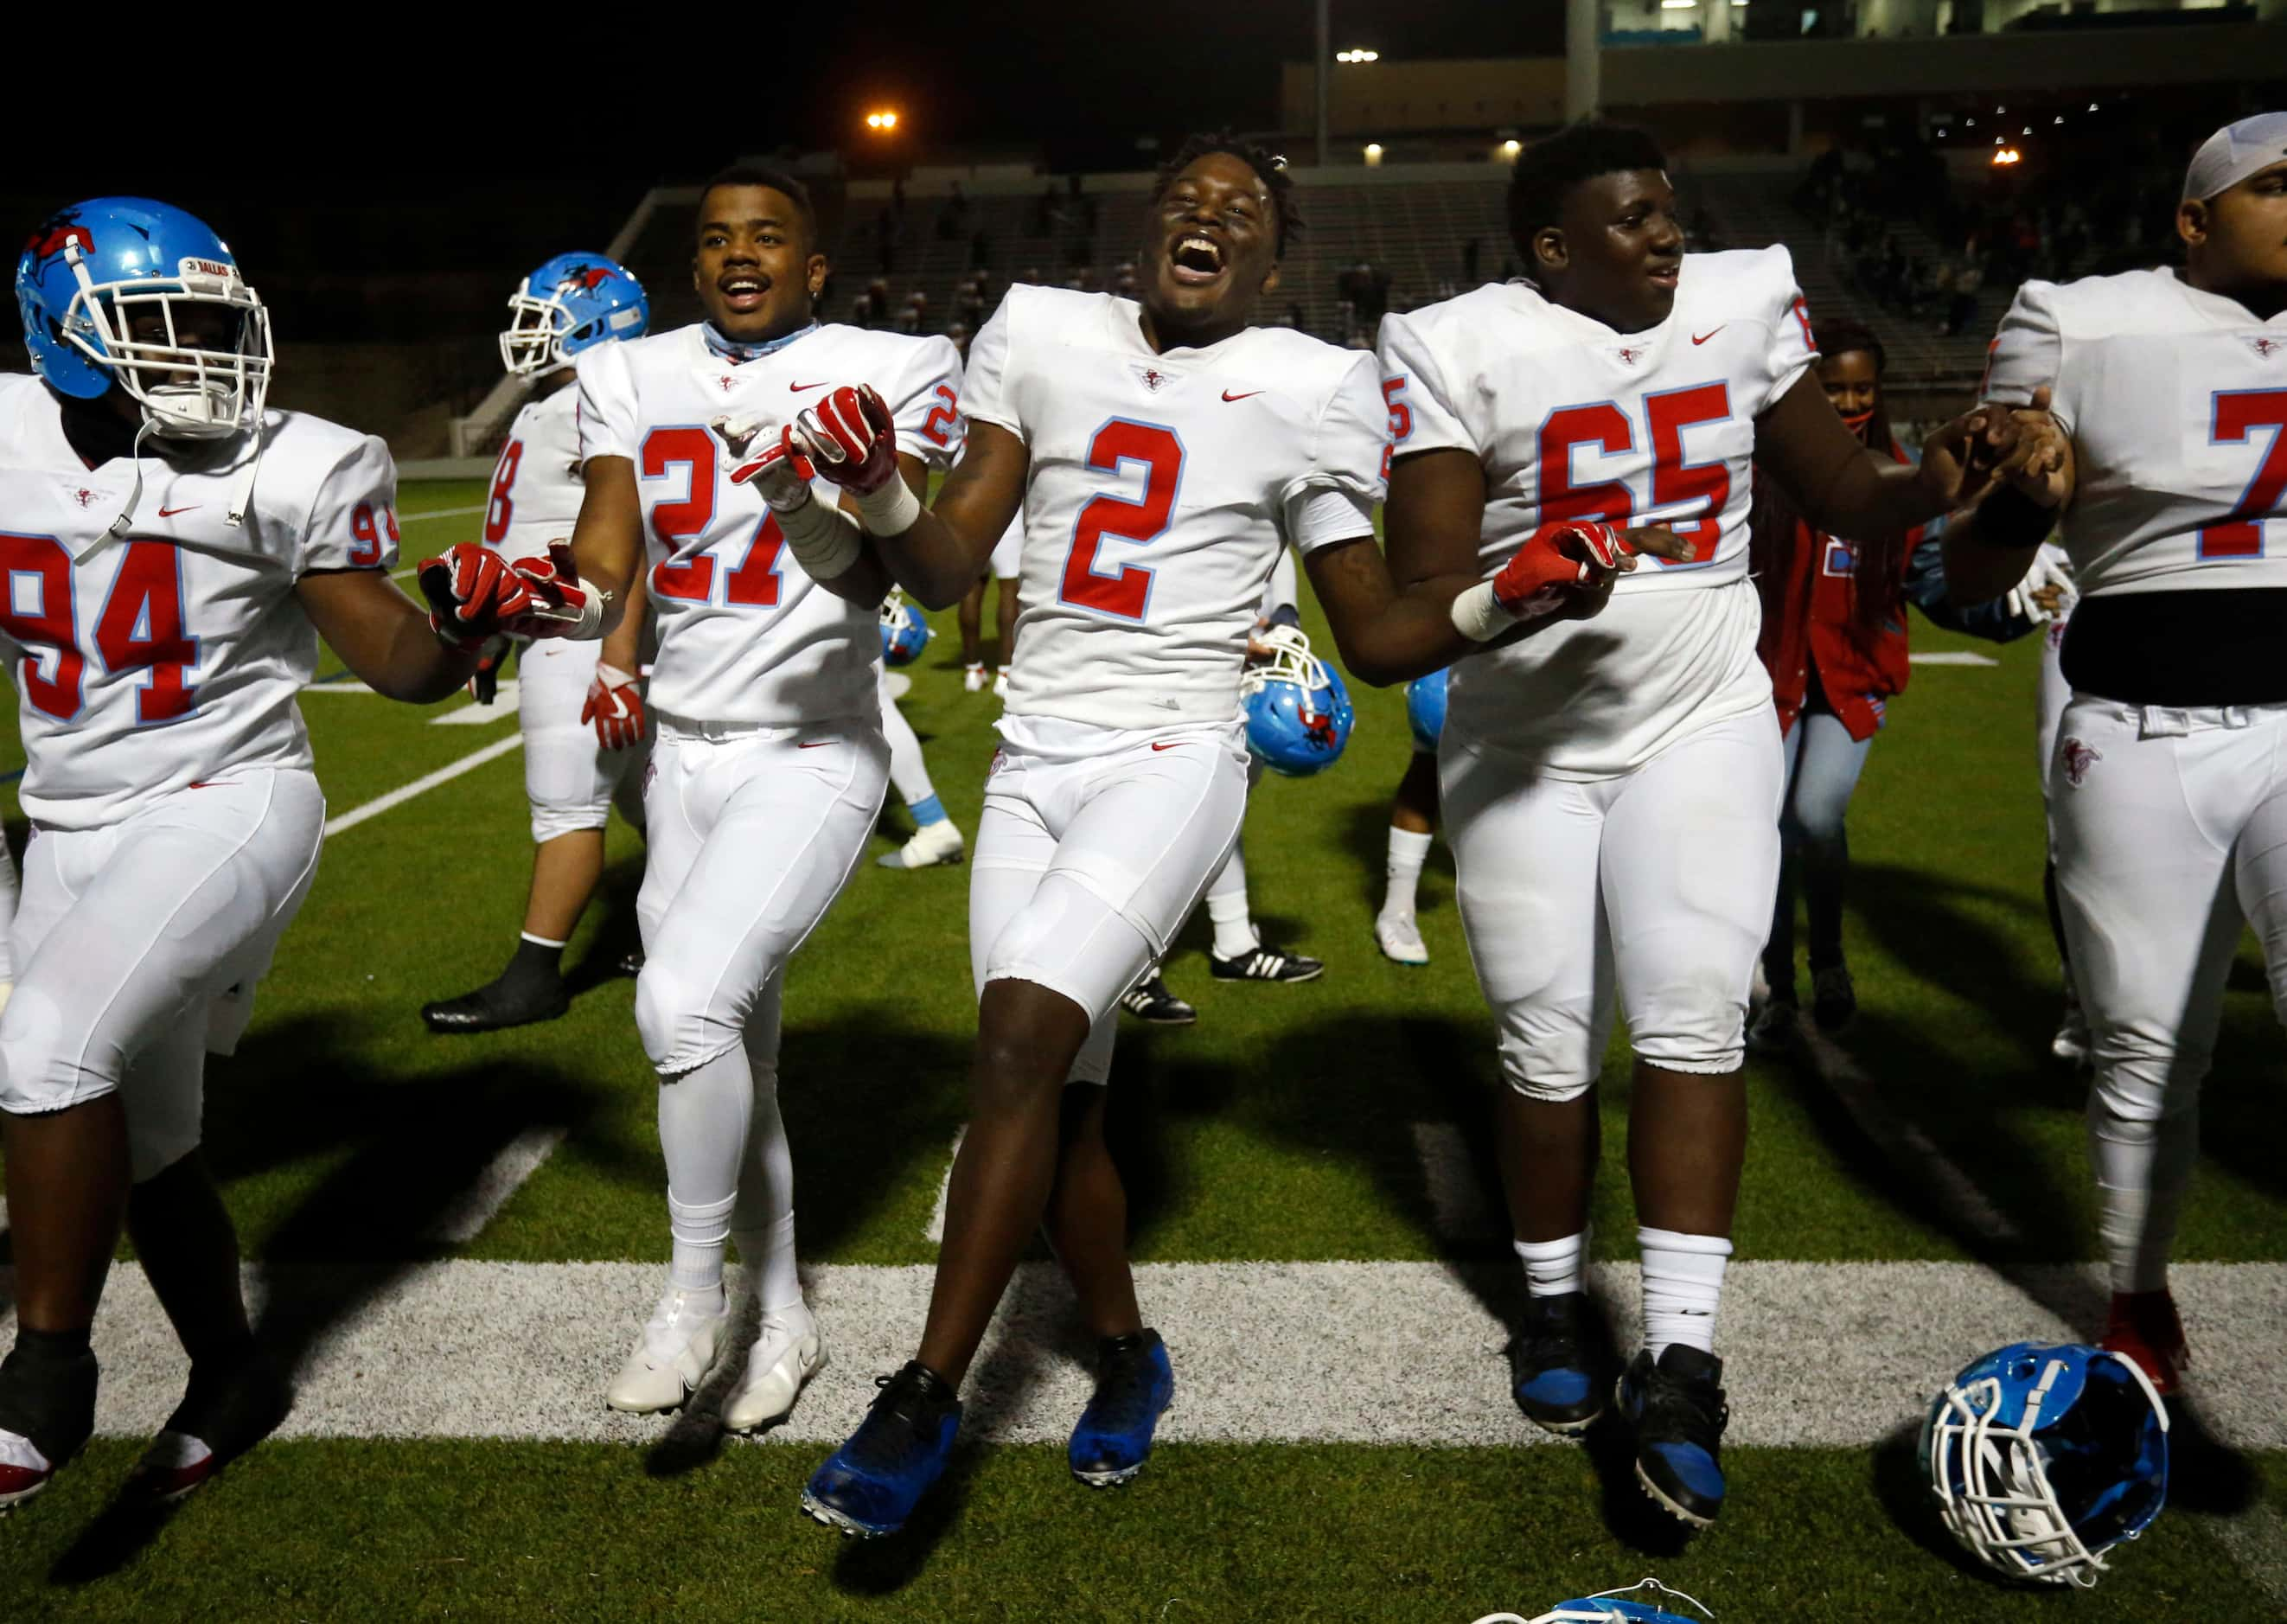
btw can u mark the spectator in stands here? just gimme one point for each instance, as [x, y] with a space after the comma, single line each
[1968, 277]
[1046, 213]
[959, 334]
[1472, 252]
[1032, 275]
[885, 240]
[1295, 316]
[980, 250]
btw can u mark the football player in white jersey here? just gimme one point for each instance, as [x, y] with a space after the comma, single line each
[2053, 569]
[1162, 452]
[2167, 794]
[1610, 789]
[174, 553]
[769, 766]
[1004, 571]
[580, 705]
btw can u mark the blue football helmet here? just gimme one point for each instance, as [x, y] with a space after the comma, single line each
[573, 303]
[904, 633]
[2044, 1456]
[1298, 713]
[1425, 710]
[126, 291]
[1609, 1607]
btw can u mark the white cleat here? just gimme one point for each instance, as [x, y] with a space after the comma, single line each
[932, 844]
[671, 1358]
[1001, 683]
[1400, 938]
[175, 1464]
[2072, 1043]
[972, 677]
[24, 1470]
[787, 1353]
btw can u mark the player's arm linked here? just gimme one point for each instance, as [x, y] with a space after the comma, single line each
[1989, 548]
[383, 636]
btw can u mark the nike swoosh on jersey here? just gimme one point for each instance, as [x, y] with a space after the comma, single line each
[799, 388]
[1177, 745]
[1249, 395]
[1710, 333]
[817, 744]
[170, 512]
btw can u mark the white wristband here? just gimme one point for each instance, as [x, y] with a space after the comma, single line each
[588, 627]
[1478, 615]
[891, 510]
[824, 540]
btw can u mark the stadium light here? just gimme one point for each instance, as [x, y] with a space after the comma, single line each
[2007, 156]
[1679, 6]
[1357, 56]
[1511, 148]
[882, 121]
[1373, 153]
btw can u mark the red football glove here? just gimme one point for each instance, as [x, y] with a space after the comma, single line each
[782, 475]
[474, 594]
[615, 706]
[1574, 552]
[848, 436]
[562, 605]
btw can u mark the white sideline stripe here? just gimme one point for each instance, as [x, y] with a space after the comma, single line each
[473, 714]
[1951, 657]
[415, 519]
[427, 781]
[503, 1175]
[933, 1232]
[1457, 1201]
[1827, 1355]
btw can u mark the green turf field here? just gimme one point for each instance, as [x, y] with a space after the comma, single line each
[1286, 1128]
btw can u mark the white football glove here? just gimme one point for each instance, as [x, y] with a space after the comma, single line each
[2051, 568]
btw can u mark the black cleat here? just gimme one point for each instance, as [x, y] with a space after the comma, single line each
[1777, 1028]
[223, 1414]
[1833, 999]
[1267, 964]
[1677, 1409]
[47, 1414]
[1556, 1384]
[630, 963]
[1150, 1000]
[499, 1005]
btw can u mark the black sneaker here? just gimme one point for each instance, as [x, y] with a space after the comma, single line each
[224, 1414]
[1554, 1385]
[1834, 1001]
[1677, 1409]
[1150, 1000]
[871, 1485]
[499, 1005]
[1267, 964]
[1775, 1028]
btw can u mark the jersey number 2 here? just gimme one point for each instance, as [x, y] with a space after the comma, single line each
[754, 581]
[2239, 415]
[140, 629]
[1125, 591]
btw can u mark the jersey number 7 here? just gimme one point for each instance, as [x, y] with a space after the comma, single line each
[2238, 415]
[1675, 484]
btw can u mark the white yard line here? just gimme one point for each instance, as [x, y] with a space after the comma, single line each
[933, 1232]
[503, 708]
[1457, 1198]
[1825, 1355]
[415, 519]
[1951, 657]
[427, 781]
[480, 1203]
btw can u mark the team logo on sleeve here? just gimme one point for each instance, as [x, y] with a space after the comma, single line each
[2078, 758]
[2267, 347]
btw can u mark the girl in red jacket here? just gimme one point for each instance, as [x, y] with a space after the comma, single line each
[1834, 641]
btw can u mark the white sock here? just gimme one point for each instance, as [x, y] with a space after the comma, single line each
[703, 1114]
[1683, 1287]
[1553, 1267]
[763, 1222]
[1407, 852]
[701, 1233]
[2143, 1170]
[1227, 909]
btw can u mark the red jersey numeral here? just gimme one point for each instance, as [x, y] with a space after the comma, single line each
[141, 628]
[499, 511]
[2239, 415]
[942, 418]
[1675, 482]
[754, 581]
[366, 532]
[1127, 591]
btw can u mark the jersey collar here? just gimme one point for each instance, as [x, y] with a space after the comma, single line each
[738, 354]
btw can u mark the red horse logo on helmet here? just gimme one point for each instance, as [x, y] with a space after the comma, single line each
[583, 279]
[1319, 728]
[56, 234]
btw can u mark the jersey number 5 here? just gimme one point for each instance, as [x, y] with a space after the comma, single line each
[140, 629]
[1125, 591]
[2239, 415]
[1675, 484]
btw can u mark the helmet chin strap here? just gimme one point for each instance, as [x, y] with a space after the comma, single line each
[125, 522]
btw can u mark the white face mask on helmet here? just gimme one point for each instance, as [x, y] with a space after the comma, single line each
[187, 390]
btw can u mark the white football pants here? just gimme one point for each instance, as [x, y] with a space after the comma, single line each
[138, 946]
[1661, 878]
[572, 781]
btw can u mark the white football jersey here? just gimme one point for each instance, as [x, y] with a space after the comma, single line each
[744, 635]
[171, 656]
[1572, 420]
[536, 485]
[1163, 486]
[2176, 401]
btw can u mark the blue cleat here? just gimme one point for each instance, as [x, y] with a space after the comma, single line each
[871, 1485]
[1555, 1386]
[1677, 1408]
[1133, 1385]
